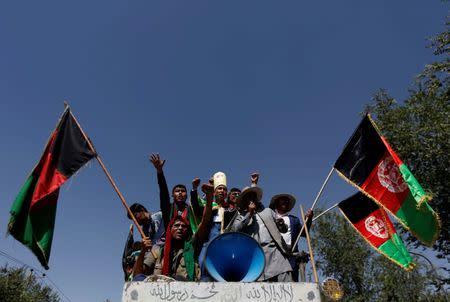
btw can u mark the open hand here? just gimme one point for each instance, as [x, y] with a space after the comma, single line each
[157, 162]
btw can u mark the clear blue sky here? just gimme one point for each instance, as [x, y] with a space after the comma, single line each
[233, 86]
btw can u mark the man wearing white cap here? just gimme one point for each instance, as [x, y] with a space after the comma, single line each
[220, 205]
[282, 204]
[221, 215]
[261, 224]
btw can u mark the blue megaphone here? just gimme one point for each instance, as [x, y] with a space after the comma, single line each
[234, 257]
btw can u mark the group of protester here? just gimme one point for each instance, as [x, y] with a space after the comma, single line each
[177, 236]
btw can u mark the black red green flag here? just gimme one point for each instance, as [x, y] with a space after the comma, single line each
[374, 225]
[33, 211]
[127, 252]
[370, 164]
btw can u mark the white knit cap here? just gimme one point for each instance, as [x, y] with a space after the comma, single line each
[219, 179]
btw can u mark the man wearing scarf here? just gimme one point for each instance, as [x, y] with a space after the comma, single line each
[179, 207]
[290, 226]
[178, 258]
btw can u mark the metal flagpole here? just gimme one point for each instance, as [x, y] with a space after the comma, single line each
[326, 211]
[313, 205]
[321, 189]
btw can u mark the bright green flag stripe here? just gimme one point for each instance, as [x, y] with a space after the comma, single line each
[43, 222]
[34, 230]
[202, 202]
[396, 251]
[19, 225]
[416, 189]
[421, 221]
[193, 220]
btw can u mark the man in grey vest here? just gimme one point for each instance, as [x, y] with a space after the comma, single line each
[260, 224]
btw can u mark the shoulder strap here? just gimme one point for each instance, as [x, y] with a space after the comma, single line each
[267, 218]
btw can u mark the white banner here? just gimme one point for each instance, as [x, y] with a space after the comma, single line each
[220, 291]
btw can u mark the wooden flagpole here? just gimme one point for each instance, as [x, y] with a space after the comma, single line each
[313, 263]
[109, 177]
[313, 205]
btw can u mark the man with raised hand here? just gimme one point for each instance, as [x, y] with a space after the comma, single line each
[179, 207]
[178, 257]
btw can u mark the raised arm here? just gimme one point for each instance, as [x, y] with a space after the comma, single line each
[242, 220]
[198, 210]
[254, 178]
[164, 197]
[205, 224]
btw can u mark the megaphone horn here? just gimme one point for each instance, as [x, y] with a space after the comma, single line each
[234, 257]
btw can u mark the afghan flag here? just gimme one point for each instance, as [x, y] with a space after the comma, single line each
[370, 164]
[34, 209]
[127, 250]
[374, 225]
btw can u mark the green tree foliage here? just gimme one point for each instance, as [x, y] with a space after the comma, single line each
[419, 130]
[19, 284]
[395, 284]
[343, 255]
[364, 274]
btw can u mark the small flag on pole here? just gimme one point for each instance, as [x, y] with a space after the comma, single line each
[374, 225]
[34, 209]
[370, 164]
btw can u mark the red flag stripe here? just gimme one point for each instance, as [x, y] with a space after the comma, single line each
[386, 183]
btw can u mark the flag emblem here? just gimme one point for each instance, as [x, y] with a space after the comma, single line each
[373, 224]
[390, 177]
[376, 227]
[370, 164]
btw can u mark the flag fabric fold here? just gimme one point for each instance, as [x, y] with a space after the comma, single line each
[128, 248]
[374, 225]
[370, 164]
[34, 209]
